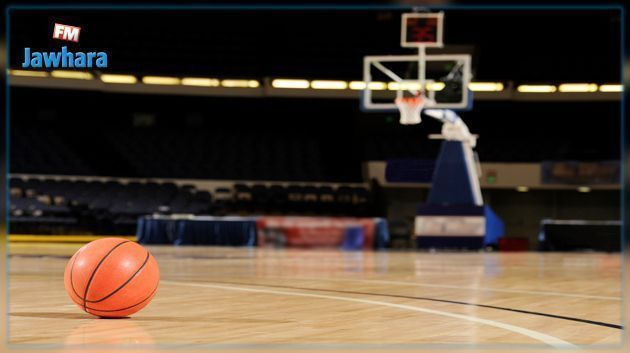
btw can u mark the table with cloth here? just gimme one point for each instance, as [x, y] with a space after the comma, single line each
[295, 231]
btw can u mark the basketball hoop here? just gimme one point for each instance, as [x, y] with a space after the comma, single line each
[410, 109]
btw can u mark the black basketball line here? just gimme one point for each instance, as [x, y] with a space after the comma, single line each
[87, 287]
[146, 259]
[129, 307]
[72, 270]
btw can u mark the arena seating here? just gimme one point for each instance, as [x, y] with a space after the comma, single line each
[113, 207]
[32, 153]
[214, 154]
[514, 149]
[227, 153]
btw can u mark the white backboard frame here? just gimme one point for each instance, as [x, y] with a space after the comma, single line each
[380, 61]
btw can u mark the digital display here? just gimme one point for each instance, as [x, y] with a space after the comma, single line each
[422, 30]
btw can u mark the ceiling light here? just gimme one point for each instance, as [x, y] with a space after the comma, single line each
[75, 75]
[229, 83]
[111, 78]
[401, 86]
[375, 86]
[485, 86]
[200, 82]
[415, 86]
[324, 84]
[578, 87]
[160, 80]
[610, 88]
[28, 73]
[536, 88]
[583, 189]
[289, 83]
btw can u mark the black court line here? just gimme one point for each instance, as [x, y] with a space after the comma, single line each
[569, 318]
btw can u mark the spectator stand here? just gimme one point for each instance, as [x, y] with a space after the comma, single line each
[66, 205]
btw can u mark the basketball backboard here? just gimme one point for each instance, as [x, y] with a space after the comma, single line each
[442, 80]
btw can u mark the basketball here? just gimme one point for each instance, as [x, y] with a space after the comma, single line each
[112, 277]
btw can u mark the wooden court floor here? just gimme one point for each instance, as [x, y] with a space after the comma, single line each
[267, 296]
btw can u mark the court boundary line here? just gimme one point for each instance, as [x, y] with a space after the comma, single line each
[506, 290]
[548, 339]
[447, 286]
[448, 301]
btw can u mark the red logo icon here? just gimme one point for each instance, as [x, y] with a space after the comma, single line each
[67, 33]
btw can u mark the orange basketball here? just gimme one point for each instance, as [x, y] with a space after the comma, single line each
[112, 277]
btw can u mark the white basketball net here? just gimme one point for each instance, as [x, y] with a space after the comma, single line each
[410, 109]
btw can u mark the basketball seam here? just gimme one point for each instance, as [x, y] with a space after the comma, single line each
[124, 284]
[87, 287]
[71, 271]
[129, 307]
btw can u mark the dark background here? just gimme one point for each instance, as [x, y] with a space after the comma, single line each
[93, 133]
[332, 136]
[517, 45]
[318, 139]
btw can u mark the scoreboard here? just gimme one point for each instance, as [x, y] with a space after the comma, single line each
[422, 29]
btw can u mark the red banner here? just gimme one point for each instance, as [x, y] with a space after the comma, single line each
[311, 231]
